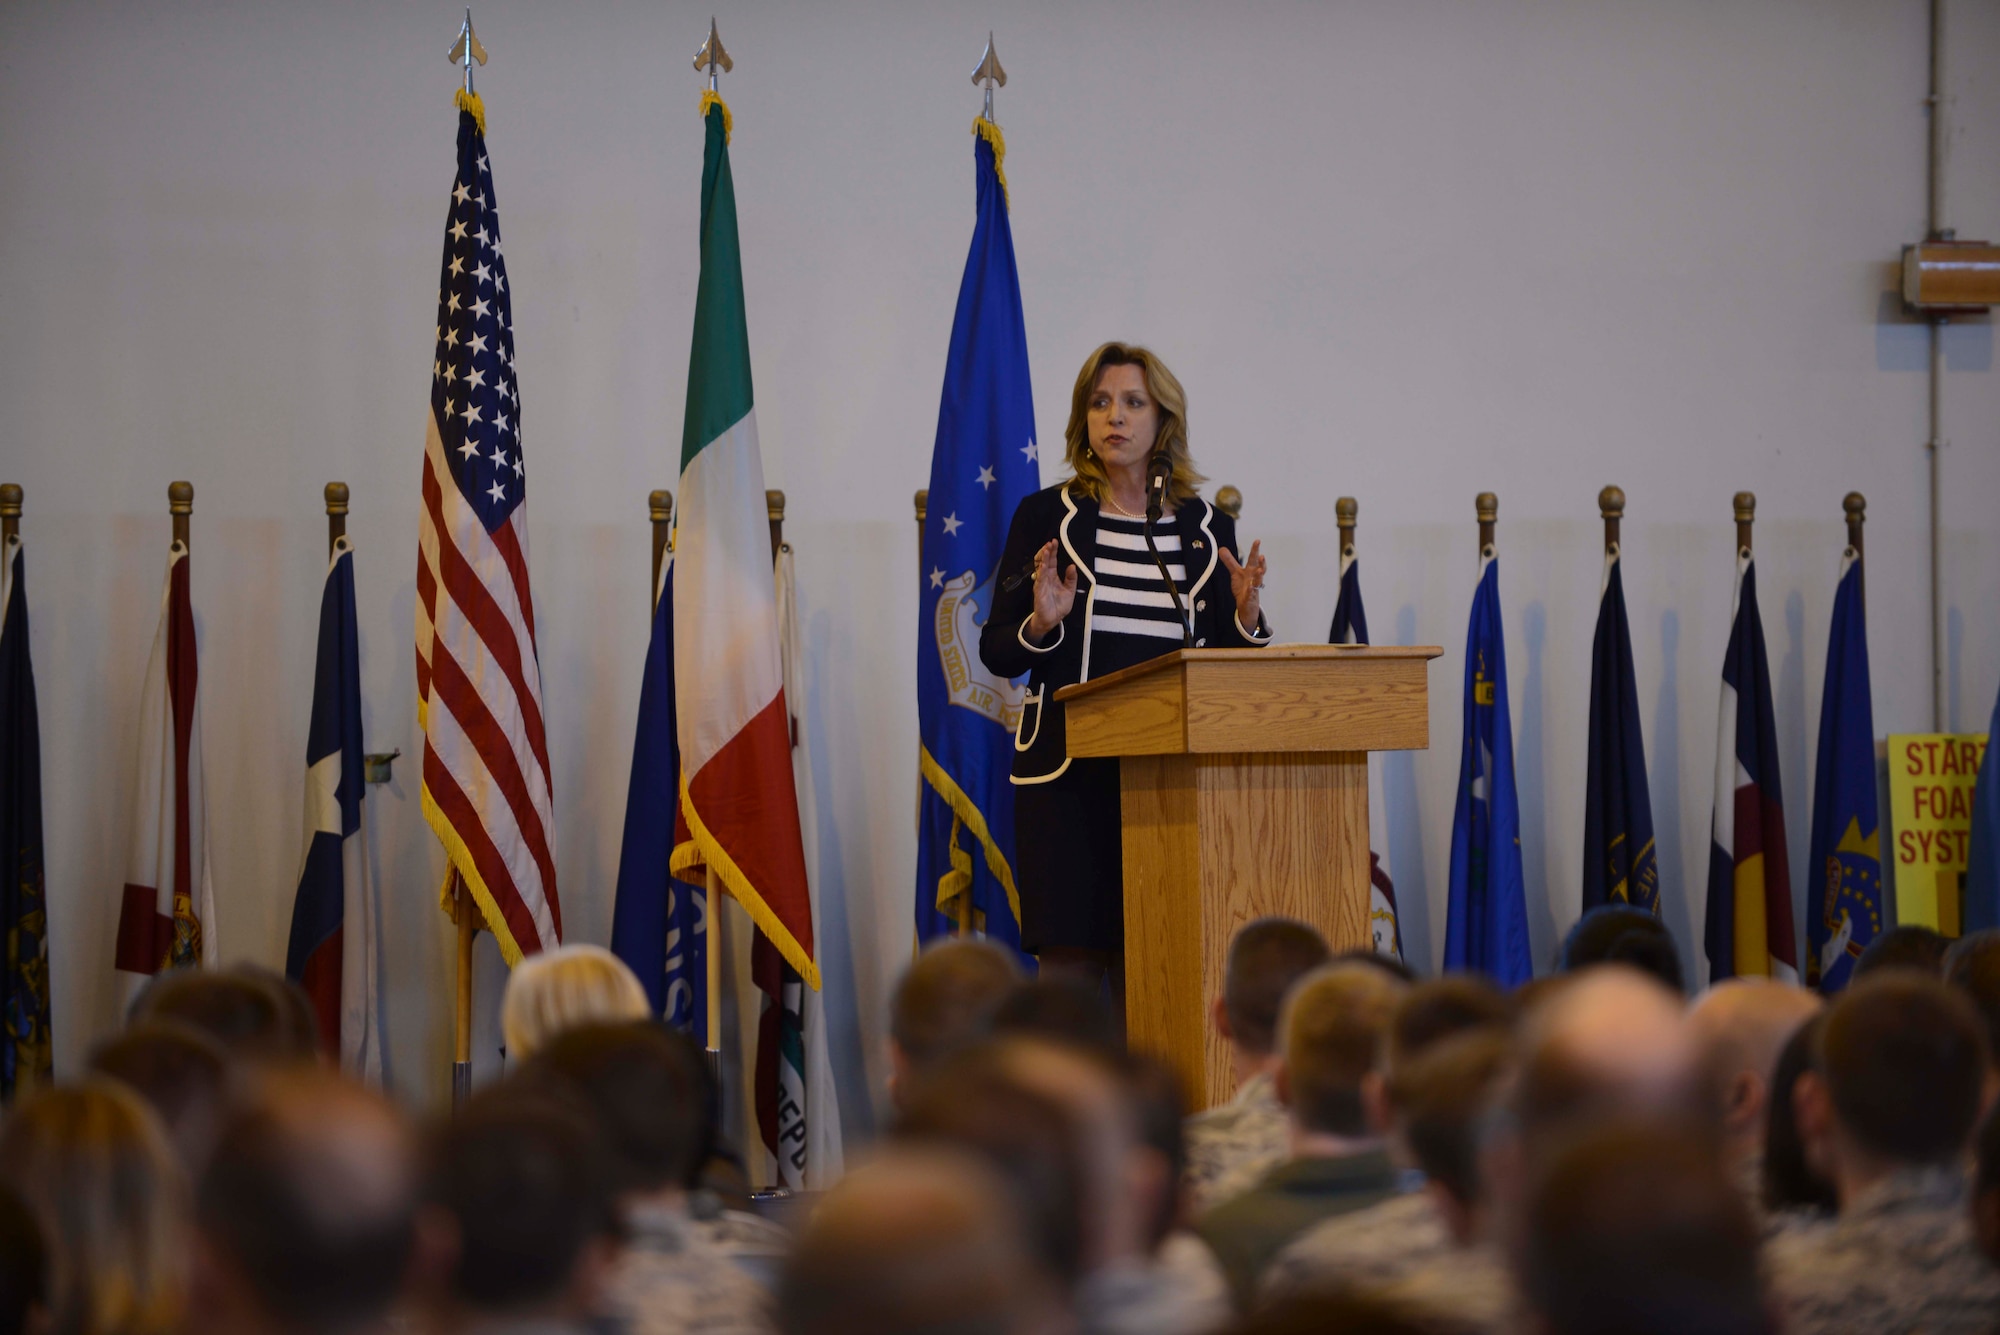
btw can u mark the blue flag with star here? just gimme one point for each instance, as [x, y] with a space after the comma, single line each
[982, 467]
[1486, 924]
[1844, 861]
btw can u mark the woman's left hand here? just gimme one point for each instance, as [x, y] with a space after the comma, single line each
[1246, 580]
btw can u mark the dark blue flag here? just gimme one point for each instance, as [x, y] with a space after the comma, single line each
[1982, 861]
[983, 465]
[1619, 861]
[1844, 860]
[659, 923]
[333, 950]
[26, 1053]
[1486, 927]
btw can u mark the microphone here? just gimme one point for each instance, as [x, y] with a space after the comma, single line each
[1158, 469]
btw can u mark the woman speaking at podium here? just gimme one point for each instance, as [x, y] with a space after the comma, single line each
[1082, 596]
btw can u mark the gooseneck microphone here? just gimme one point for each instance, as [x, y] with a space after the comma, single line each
[1159, 468]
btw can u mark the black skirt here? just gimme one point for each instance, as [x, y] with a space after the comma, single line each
[1069, 860]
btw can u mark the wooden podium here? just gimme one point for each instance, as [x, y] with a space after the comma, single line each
[1244, 776]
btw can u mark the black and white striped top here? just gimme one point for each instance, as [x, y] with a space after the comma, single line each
[1132, 615]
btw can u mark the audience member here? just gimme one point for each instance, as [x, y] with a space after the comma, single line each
[1740, 1026]
[944, 1003]
[1406, 1232]
[1986, 1189]
[93, 1166]
[1335, 1024]
[1389, 964]
[180, 1072]
[1792, 1191]
[922, 1241]
[1621, 934]
[646, 1090]
[1636, 1228]
[520, 1180]
[1063, 1008]
[560, 989]
[1231, 1146]
[306, 1216]
[1972, 965]
[1918, 948]
[1886, 1113]
[1344, 1312]
[24, 1270]
[1454, 1275]
[251, 1012]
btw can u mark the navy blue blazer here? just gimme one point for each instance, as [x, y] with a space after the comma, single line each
[1040, 748]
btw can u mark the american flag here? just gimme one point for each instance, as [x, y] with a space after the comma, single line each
[486, 780]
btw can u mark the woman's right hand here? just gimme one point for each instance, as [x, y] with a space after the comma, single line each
[1054, 595]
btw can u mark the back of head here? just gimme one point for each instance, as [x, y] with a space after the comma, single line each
[1904, 1060]
[1739, 1028]
[1915, 948]
[24, 1268]
[249, 1011]
[1154, 1090]
[1266, 957]
[1634, 1229]
[1336, 1024]
[1443, 1008]
[922, 1241]
[1986, 1189]
[560, 989]
[1443, 1096]
[647, 1088]
[523, 1177]
[180, 1072]
[1972, 965]
[309, 1201]
[1789, 1181]
[1063, 1009]
[975, 1102]
[1346, 1311]
[947, 998]
[1613, 1041]
[92, 1165]
[1621, 934]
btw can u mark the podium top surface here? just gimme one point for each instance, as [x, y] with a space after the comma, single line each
[1288, 697]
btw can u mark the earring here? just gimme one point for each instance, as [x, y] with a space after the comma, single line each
[1089, 453]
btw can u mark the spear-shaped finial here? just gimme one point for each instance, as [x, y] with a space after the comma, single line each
[990, 74]
[467, 48]
[712, 57]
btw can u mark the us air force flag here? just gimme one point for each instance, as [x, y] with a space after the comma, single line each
[1619, 862]
[333, 951]
[1350, 626]
[1844, 860]
[984, 464]
[659, 923]
[1486, 928]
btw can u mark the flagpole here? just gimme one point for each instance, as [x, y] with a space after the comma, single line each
[713, 954]
[1855, 505]
[1230, 501]
[660, 506]
[1487, 506]
[180, 504]
[1611, 505]
[10, 510]
[461, 1009]
[336, 514]
[1344, 512]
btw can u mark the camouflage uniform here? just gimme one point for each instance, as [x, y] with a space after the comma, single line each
[1465, 1292]
[681, 1276]
[1366, 1249]
[1231, 1147]
[1180, 1290]
[1899, 1259]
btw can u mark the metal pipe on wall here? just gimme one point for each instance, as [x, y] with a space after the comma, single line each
[1935, 444]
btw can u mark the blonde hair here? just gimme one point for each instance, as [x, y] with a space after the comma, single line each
[92, 1163]
[1090, 478]
[564, 988]
[1336, 1024]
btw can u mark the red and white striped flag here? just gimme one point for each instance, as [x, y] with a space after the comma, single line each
[167, 919]
[486, 779]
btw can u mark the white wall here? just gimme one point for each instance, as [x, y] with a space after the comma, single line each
[1405, 251]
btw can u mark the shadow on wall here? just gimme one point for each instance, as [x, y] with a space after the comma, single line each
[1531, 790]
[1406, 835]
[1788, 684]
[1677, 894]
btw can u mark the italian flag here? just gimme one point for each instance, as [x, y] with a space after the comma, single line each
[735, 733]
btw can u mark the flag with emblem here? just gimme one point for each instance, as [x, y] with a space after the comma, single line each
[486, 777]
[167, 918]
[333, 951]
[1486, 923]
[984, 463]
[1844, 859]
[26, 1050]
[1749, 932]
[1982, 859]
[1620, 863]
[1350, 626]
[737, 793]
